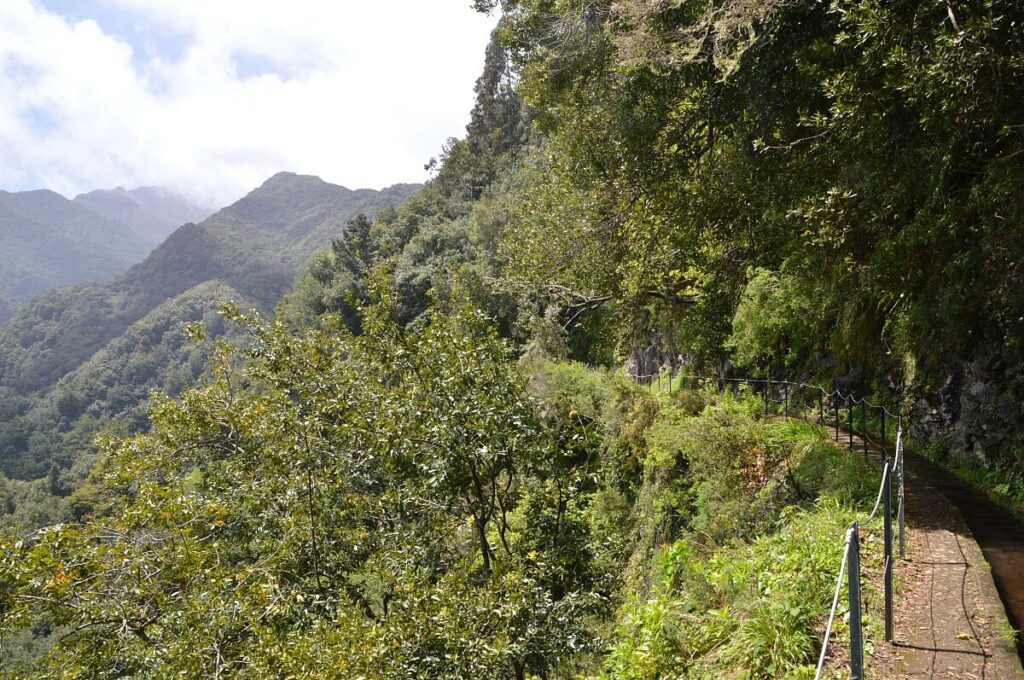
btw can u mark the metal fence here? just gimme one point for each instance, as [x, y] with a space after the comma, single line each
[801, 400]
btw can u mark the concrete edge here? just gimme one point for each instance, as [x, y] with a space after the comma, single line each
[1003, 664]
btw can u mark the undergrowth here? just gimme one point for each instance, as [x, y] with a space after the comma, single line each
[725, 607]
[735, 530]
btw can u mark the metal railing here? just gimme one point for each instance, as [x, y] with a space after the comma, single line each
[790, 399]
[851, 561]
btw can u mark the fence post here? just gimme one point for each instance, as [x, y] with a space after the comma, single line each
[849, 409]
[835, 409]
[785, 398]
[887, 507]
[864, 425]
[885, 450]
[856, 632]
[767, 391]
[902, 498]
[821, 407]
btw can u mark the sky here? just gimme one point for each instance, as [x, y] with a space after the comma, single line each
[212, 97]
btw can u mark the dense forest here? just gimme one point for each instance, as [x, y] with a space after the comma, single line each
[426, 458]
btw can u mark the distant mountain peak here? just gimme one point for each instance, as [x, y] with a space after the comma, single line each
[288, 198]
[151, 212]
[50, 241]
[291, 180]
[35, 194]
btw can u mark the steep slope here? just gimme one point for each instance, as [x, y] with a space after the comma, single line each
[153, 353]
[252, 250]
[49, 241]
[153, 213]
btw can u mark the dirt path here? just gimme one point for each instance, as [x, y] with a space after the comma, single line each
[949, 621]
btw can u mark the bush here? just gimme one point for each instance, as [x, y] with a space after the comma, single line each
[744, 610]
[773, 320]
[762, 506]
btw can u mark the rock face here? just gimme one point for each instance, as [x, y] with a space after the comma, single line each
[646, 361]
[977, 411]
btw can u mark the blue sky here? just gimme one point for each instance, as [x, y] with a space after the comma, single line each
[211, 97]
[149, 39]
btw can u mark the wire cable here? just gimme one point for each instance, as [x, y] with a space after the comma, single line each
[881, 491]
[835, 604]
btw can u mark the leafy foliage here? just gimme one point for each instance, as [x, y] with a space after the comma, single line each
[403, 503]
[430, 465]
[864, 160]
[330, 476]
[741, 594]
[774, 320]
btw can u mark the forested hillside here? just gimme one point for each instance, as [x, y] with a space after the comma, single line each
[153, 213]
[74, 358]
[830, 188]
[49, 241]
[824, 189]
[429, 462]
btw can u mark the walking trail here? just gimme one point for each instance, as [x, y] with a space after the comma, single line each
[949, 619]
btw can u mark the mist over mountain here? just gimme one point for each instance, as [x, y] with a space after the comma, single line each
[153, 213]
[49, 241]
[126, 334]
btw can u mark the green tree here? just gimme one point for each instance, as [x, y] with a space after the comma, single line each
[352, 481]
[53, 483]
[872, 153]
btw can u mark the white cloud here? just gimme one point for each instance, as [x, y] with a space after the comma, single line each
[360, 93]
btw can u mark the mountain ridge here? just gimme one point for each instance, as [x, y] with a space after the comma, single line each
[49, 241]
[61, 331]
[152, 212]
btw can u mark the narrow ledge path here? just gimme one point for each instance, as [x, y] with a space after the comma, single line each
[950, 619]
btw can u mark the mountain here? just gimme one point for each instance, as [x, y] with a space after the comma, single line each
[153, 213]
[49, 241]
[76, 357]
